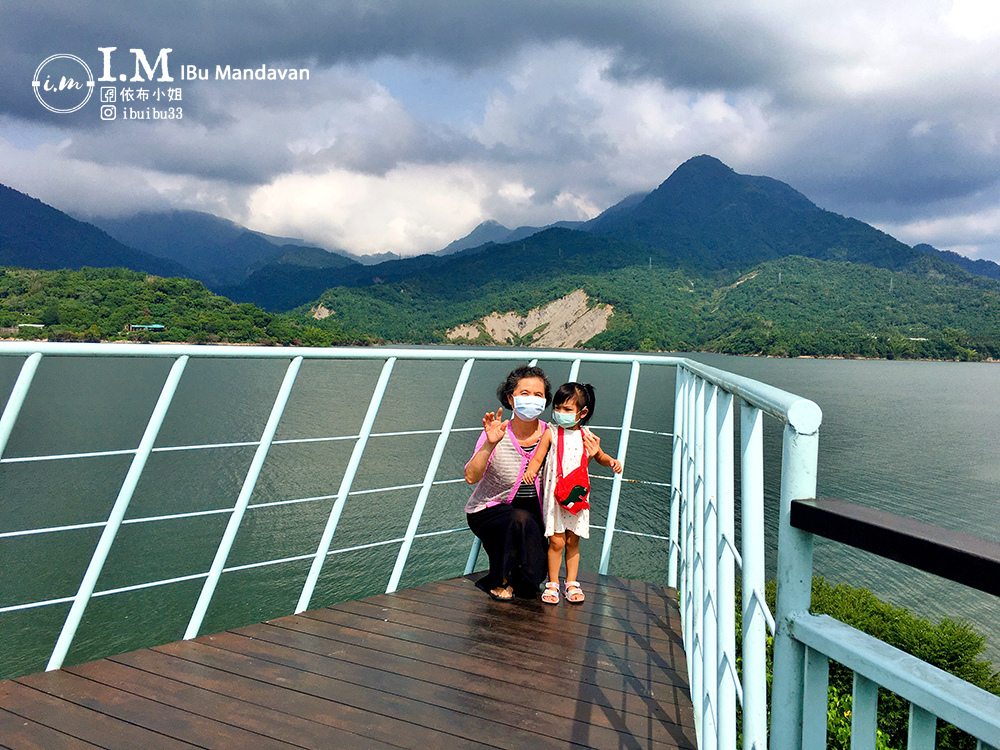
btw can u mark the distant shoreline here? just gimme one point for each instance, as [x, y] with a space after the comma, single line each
[985, 360]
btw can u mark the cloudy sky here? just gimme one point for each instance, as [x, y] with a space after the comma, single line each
[422, 119]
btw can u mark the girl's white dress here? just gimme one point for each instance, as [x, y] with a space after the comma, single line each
[557, 518]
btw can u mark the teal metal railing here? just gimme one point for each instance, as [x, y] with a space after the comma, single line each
[181, 356]
[706, 557]
[703, 560]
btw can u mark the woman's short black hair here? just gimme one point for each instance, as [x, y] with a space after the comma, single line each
[581, 393]
[506, 388]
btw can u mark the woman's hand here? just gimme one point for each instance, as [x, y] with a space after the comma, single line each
[529, 476]
[494, 427]
[616, 466]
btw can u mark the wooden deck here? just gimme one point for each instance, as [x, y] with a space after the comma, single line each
[436, 666]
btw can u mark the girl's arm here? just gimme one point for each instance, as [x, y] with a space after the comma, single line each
[493, 429]
[593, 445]
[536, 461]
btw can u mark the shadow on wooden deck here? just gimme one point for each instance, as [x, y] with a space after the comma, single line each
[435, 666]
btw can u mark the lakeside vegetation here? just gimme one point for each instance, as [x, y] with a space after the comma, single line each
[786, 308]
[99, 304]
[951, 645]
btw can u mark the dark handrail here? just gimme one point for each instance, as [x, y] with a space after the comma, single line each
[962, 558]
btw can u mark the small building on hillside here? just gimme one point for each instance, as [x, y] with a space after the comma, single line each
[150, 327]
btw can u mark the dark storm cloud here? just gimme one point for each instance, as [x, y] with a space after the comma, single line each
[665, 40]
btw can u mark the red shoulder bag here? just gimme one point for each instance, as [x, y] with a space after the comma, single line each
[573, 489]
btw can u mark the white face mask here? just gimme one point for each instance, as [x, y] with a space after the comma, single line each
[528, 407]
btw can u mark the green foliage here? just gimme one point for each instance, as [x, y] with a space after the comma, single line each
[838, 723]
[788, 307]
[98, 304]
[951, 645]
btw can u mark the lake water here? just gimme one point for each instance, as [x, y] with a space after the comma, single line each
[921, 439]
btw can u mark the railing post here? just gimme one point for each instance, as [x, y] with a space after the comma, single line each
[16, 400]
[795, 552]
[345, 486]
[690, 481]
[752, 577]
[470, 564]
[921, 732]
[864, 713]
[710, 571]
[726, 594]
[236, 518]
[696, 656]
[676, 458]
[815, 700]
[574, 371]
[432, 467]
[616, 484]
[100, 555]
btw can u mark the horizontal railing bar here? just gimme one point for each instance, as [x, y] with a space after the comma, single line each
[151, 584]
[61, 456]
[802, 414]
[208, 446]
[34, 605]
[172, 351]
[53, 529]
[633, 533]
[962, 558]
[248, 444]
[231, 569]
[948, 697]
[633, 481]
[215, 511]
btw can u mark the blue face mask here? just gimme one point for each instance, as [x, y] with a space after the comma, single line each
[564, 418]
[528, 407]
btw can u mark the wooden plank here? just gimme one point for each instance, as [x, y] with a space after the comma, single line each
[154, 715]
[441, 707]
[436, 666]
[83, 724]
[614, 612]
[501, 640]
[614, 625]
[461, 689]
[625, 687]
[963, 558]
[238, 673]
[18, 733]
[260, 718]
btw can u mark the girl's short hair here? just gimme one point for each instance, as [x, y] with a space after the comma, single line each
[581, 393]
[507, 387]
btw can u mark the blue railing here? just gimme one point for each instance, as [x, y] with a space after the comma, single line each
[703, 560]
[702, 564]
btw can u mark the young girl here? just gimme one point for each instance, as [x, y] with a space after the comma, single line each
[572, 408]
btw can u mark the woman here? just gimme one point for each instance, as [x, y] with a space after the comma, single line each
[504, 513]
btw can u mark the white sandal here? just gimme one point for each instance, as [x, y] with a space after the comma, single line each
[551, 593]
[573, 590]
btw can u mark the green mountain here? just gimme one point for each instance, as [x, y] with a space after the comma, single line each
[217, 251]
[979, 267]
[708, 217]
[35, 235]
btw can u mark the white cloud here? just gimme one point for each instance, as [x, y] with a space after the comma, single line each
[531, 113]
[414, 208]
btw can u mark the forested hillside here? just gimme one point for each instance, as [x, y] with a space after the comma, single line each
[788, 307]
[96, 304]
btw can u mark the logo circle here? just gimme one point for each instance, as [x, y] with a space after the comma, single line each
[64, 95]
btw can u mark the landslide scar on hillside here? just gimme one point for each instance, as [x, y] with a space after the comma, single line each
[562, 324]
